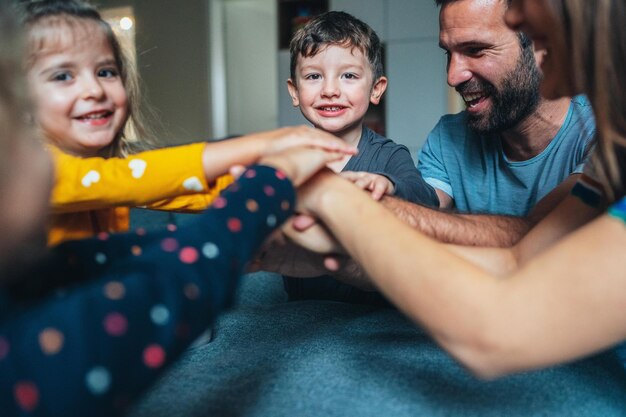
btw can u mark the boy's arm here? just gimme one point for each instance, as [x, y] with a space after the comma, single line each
[408, 181]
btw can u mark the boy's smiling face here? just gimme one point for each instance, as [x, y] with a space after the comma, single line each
[334, 89]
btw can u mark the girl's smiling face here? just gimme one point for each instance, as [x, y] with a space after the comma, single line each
[538, 19]
[80, 101]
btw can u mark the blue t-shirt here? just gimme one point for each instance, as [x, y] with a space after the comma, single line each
[475, 172]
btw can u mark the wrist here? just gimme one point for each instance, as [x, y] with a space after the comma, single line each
[257, 144]
[330, 195]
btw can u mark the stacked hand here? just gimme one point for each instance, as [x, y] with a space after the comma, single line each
[305, 166]
[276, 142]
[300, 163]
[285, 138]
[305, 230]
[377, 184]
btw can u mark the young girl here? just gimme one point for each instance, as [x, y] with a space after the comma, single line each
[86, 100]
[86, 329]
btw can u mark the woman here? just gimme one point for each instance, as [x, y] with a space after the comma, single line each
[560, 293]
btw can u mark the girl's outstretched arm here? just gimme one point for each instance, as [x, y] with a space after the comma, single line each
[219, 157]
[154, 178]
[97, 183]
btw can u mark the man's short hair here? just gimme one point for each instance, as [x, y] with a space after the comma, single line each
[440, 2]
[341, 29]
[524, 40]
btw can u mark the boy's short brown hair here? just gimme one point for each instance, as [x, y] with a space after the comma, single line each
[337, 28]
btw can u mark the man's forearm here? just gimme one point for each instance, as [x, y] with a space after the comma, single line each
[461, 229]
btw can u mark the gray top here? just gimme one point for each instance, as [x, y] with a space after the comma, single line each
[383, 156]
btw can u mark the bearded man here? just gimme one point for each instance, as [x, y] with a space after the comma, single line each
[512, 155]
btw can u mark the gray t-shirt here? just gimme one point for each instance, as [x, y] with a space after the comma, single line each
[383, 156]
[475, 172]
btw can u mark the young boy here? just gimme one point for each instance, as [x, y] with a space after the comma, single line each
[336, 72]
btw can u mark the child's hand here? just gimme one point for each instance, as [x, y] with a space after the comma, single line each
[379, 185]
[301, 163]
[218, 157]
[290, 137]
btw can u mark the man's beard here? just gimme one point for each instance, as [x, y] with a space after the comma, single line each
[516, 99]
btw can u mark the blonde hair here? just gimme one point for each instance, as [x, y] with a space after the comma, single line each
[596, 34]
[40, 16]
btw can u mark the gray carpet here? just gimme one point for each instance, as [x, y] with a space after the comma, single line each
[269, 357]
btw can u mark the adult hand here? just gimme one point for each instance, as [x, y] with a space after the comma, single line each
[307, 232]
[286, 258]
[304, 229]
[378, 185]
[310, 195]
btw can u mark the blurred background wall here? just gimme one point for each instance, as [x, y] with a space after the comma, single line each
[214, 68]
